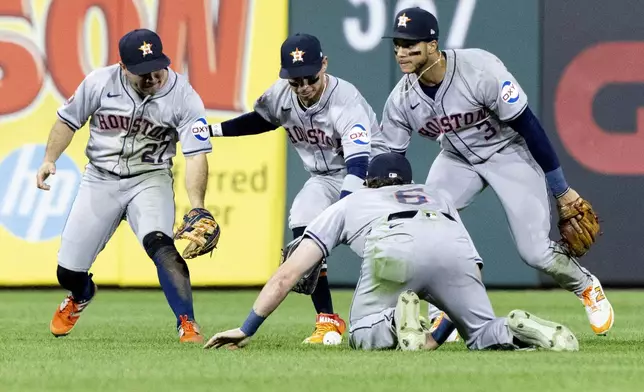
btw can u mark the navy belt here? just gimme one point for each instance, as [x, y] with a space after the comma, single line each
[412, 213]
[325, 172]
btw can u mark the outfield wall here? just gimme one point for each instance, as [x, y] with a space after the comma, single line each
[581, 64]
[46, 48]
[579, 61]
[592, 79]
[350, 32]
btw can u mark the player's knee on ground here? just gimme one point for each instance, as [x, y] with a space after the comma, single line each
[374, 332]
[161, 249]
[368, 340]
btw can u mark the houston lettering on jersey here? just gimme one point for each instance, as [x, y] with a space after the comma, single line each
[141, 125]
[311, 136]
[452, 123]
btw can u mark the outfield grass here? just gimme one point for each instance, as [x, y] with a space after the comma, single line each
[126, 342]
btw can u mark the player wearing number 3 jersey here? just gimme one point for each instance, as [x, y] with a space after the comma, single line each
[469, 102]
[137, 112]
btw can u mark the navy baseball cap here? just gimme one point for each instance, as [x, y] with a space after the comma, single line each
[301, 56]
[390, 165]
[415, 24]
[141, 51]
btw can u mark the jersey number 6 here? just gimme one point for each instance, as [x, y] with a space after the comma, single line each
[414, 196]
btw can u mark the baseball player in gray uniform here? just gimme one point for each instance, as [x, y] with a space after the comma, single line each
[413, 245]
[137, 110]
[468, 101]
[332, 128]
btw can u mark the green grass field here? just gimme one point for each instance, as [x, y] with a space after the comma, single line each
[126, 341]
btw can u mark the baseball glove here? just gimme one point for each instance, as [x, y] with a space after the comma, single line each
[578, 225]
[306, 285]
[201, 229]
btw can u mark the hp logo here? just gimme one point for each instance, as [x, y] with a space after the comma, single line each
[27, 212]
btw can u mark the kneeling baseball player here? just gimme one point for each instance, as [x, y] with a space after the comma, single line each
[413, 246]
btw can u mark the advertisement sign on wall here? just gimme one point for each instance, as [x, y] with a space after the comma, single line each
[46, 49]
[592, 101]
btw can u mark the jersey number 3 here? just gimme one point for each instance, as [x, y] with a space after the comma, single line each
[414, 196]
[488, 129]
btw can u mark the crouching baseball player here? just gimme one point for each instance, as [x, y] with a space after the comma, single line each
[137, 111]
[334, 131]
[413, 246]
[468, 101]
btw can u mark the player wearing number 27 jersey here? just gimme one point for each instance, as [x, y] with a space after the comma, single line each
[469, 102]
[137, 110]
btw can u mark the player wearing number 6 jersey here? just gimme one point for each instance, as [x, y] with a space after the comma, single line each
[137, 112]
[334, 131]
[412, 244]
[469, 102]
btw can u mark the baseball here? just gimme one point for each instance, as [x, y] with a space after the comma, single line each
[332, 338]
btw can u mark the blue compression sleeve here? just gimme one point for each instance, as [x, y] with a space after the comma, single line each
[246, 124]
[527, 125]
[357, 169]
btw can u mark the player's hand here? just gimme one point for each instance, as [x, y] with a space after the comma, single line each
[45, 170]
[568, 197]
[234, 337]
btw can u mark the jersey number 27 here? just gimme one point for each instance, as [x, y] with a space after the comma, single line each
[150, 150]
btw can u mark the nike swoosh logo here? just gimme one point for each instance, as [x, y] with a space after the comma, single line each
[110, 95]
[414, 106]
[285, 109]
[392, 225]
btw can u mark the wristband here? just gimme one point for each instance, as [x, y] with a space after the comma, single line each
[215, 130]
[557, 182]
[252, 323]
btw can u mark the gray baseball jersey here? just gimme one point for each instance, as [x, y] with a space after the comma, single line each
[429, 252]
[129, 134]
[467, 116]
[351, 219]
[340, 126]
[131, 143]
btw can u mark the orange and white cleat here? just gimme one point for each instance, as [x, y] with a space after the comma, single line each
[67, 314]
[598, 309]
[325, 322]
[189, 331]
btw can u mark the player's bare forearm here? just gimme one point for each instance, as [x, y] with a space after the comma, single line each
[196, 179]
[59, 139]
[307, 255]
